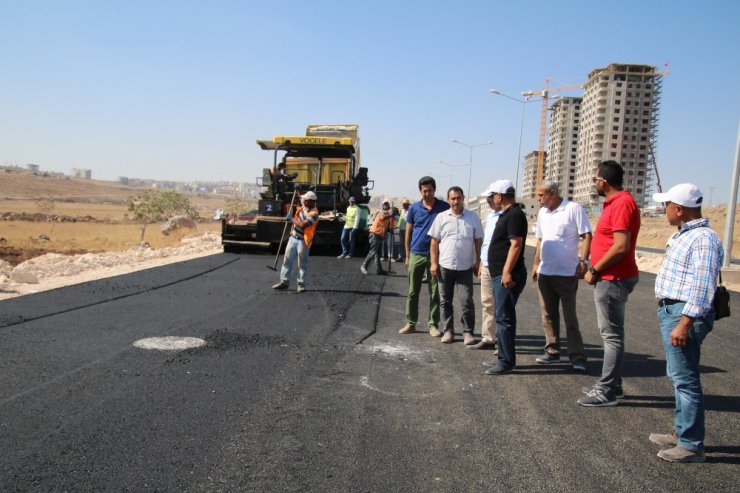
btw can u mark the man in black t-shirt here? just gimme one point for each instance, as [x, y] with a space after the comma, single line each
[508, 273]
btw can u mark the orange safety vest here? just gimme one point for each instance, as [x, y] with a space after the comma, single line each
[309, 231]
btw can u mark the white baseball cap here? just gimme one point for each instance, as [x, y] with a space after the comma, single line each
[309, 196]
[684, 194]
[498, 186]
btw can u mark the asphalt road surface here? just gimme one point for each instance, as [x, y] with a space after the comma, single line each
[319, 392]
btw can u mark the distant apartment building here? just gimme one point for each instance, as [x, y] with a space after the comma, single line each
[562, 146]
[530, 174]
[82, 173]
[619, 116]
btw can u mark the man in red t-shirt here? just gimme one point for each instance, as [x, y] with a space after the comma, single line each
[614, 274]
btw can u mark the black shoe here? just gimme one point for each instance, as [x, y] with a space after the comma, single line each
[597, 398]
[548, 359]
[280, 285]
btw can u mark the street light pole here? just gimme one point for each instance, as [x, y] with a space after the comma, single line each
[452, 168]
[521, 130]
[470, 161]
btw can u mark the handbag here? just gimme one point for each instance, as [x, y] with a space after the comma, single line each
[721, 300]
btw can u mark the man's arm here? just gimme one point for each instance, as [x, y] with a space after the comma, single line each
[585, 254]
[515, 249]
[476, 266]
[407, 241]
[434, 255]
[536, 260]
[615, 253]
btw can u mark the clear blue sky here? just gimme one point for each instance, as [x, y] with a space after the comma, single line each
[181, 89]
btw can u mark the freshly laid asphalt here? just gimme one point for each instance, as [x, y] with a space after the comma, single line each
[319, 392]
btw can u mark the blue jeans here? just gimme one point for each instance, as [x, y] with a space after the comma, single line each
[610, 298]
[682, 367]
[505, 314]
[447, 280]
[295, 248]
[349, 236]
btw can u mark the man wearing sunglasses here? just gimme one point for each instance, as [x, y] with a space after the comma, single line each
[613, 274]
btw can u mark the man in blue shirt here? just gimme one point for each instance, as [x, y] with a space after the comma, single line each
[418, 221]
[685, 288]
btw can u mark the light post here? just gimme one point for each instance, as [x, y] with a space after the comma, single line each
[521, 130]
[441, 176]
[452, 169]
[470, 161]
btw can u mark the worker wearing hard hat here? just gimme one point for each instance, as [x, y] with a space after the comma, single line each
[304, 223]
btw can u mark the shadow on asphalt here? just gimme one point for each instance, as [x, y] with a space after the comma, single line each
[732, 454]
[354, 291]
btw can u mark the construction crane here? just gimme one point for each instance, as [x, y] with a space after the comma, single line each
[545, 94]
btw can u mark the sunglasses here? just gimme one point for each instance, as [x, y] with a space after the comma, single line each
[597, 178]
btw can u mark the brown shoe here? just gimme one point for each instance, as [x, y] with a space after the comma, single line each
[407, 329]
[680, 454]
[670, 439]
[468, 339]
[483, 345]
[448, 337]
[434, 331]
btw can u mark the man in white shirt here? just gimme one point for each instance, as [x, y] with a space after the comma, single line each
[457, 236]
[488, 322]
[556, 269]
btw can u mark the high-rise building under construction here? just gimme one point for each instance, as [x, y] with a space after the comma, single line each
[562, 146]
[618, 121]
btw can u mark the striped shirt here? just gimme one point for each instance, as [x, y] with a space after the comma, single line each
[690, 268]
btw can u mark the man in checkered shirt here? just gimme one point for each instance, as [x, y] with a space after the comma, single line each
[685, 291]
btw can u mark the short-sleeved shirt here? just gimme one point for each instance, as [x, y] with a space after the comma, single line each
[421, 219]
[512, 223]
[620, 213]
[560, 230]
[382, 223]
[488, 234]
[456, 236]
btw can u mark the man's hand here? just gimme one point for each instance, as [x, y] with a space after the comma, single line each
[679, 335]
[581, 269]
[476, 268]
[534, 272]
[507, 281]
[590, 278]
[406, 261]
[434, 269]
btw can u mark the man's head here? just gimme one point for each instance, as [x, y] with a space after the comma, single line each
[406, 204]
[309, 199]
[427, 187]
[456, 198]
[682, 203]
[386, 206]
[352, 201]
[489, 195]
[503, 193]
[609, 178]
[548, 193]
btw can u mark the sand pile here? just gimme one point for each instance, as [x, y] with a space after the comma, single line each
[55, 270]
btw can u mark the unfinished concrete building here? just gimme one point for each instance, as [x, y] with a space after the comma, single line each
[562, 146]
[530, 175]
[619, 121]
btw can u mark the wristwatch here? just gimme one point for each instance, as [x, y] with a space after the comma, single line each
[592, 270]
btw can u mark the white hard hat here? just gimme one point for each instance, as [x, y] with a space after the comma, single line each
[309, 196]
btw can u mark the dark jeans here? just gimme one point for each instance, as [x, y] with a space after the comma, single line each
[505, 314]
[447, 280]
[376, 244]
[349, 236]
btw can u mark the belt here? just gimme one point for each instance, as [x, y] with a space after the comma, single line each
[297, 236]
[668, 301]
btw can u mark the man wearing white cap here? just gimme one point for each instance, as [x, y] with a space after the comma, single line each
[488, 322]
[508, 273]
[304, 223]
[685, 289]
